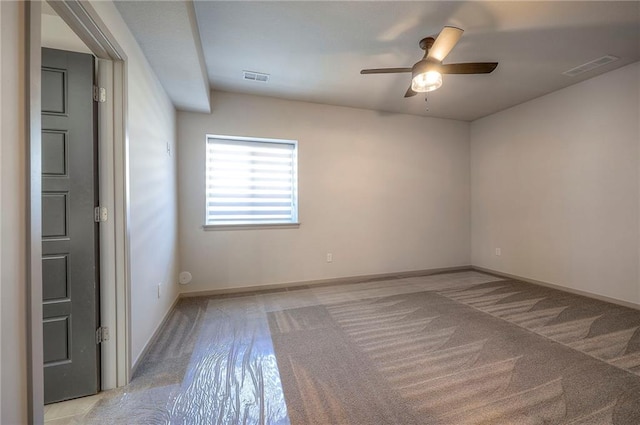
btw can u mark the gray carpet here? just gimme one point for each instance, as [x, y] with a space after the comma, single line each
[457, 348]
[495, 353]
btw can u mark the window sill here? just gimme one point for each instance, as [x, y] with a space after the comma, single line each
[213, 227]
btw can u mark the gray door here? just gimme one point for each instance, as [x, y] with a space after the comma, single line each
[69, 232]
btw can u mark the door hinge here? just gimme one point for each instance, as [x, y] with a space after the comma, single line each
[102, 334]
[100, 214]
[99, 94]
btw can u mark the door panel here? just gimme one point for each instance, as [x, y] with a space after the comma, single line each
[54, 153]
[69, 233]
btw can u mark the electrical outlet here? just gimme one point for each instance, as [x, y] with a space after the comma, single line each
[159, 289]
[329, 257]
[498, 252]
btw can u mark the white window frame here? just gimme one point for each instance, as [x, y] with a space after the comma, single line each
[294, 223]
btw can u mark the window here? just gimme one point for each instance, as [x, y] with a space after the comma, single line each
[251, 181]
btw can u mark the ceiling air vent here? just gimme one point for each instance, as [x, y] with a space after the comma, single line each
[590, 65]
[255, 76]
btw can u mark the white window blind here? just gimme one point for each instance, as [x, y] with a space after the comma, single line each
[251, 181]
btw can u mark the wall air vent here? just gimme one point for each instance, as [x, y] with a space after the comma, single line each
[590, 65]
[255, 76]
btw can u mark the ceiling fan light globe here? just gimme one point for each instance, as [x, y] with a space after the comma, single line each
[426, 82]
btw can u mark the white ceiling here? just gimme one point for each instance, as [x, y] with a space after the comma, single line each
[314, 51]
[168, 34]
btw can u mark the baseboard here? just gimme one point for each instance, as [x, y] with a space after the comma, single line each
[559, 287]
[364, 278]
[153, 338]
[323, 282]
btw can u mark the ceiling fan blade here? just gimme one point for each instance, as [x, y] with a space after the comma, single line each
[385, 70]
[446, 40]
[410, 92]
[468, 68]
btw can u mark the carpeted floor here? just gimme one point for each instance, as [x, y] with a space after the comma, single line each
[457, 348]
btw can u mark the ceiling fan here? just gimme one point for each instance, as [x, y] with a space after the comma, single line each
[426, 74]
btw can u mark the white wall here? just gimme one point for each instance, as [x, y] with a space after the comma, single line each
[382, 192]
[56, 34]
[152, 177]
[13, 375]
[555, 185]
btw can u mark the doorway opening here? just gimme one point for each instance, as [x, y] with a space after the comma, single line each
[113, 353]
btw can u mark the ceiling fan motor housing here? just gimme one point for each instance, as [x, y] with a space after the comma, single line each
[425, 65]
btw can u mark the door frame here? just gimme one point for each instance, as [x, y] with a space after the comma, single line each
[114, 194]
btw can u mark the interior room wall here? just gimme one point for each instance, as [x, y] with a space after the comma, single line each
[13, 374]
[381, 192]
[152, 187]
[555, 187]
[56, 34]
